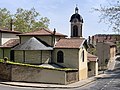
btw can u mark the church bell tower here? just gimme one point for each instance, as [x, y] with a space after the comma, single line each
[76, 24]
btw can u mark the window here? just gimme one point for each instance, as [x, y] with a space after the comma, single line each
[83, 55]
[60, 57]
[75, 31]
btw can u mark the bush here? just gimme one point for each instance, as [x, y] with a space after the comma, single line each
[5, 58]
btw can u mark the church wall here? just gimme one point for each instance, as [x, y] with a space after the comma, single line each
[46, 56]
[18, 56]
[79, 25]
[4, 52]
[1, 53]
[33, 57]
[71, 58]
[47, 39]
[83, 69]
[24, 38]
[8, 36]
[7, 53]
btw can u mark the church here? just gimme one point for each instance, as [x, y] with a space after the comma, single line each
[51, 49]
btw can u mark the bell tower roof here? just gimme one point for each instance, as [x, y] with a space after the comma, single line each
[76, 10]
[76, 16]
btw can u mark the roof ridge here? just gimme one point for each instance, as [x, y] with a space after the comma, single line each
[48, 30]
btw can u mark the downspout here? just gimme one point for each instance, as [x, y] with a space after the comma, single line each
[23, 56]
[53, 43]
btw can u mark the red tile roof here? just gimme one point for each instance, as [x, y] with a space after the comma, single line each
[69, 43]
[91, 57]
[106, 37]
[9, 31]
[10, 43]
[41, 31]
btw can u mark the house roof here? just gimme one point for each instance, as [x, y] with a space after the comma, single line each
[69, 43]
[106, 37]
[110, 43]
[91, 57]
[42, 32]
[10, 43]
[33, 44]
[9, 31]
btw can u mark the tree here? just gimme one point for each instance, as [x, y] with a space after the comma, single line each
[4, 18]
[110, 15]
[23, 20]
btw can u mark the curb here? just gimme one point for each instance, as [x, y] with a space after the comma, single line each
[50, 86]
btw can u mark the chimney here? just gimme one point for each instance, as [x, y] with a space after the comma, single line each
[54, 32]
[89, 40]
[92, 39]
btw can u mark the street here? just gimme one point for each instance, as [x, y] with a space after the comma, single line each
[110, 81]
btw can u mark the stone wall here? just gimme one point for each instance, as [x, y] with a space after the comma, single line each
[71, 76]
[5, 71]
[36, 74]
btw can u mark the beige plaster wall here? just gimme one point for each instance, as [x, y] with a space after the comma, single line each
[83, 69]
[71, 57]
[94, 69]
[112, 53]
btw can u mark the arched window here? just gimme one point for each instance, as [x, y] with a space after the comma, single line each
[60, 57]
[83, 55]
[75, 31]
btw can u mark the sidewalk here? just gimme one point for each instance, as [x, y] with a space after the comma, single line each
[40, 85]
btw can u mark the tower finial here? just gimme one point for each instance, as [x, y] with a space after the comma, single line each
[76, 9]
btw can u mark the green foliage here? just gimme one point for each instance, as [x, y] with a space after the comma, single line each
[23, 20]
[37, 66]
[118, 44]
[110, 15]
[4, 18]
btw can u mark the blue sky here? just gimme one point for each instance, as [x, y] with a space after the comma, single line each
[60, 11]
